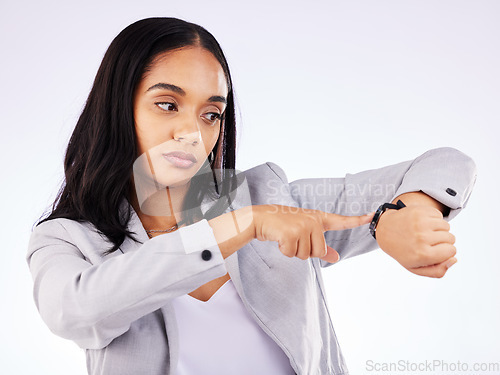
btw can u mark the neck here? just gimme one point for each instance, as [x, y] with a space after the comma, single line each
[161, 210]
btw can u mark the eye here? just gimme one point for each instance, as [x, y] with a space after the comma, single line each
[212, 117]
[167, 106]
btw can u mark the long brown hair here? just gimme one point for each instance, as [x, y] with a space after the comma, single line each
[102, 149]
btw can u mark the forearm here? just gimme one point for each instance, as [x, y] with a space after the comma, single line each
[420, 198]
[233, 230]
[94, 303]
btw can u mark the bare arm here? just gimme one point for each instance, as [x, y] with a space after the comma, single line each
[233, 230]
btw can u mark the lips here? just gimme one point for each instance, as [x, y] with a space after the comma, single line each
[181, 155]
[180, 159]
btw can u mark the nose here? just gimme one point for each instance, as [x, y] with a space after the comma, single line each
[191, 138]
[188, 134]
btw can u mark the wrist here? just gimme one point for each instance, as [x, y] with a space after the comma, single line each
[233, 229]
[257, 212]
[247, 218]
[381, 221]
[381, 211]
[415, 198]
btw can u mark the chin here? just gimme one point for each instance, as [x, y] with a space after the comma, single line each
[174, 177]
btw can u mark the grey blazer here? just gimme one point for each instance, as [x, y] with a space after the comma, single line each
[118, 307]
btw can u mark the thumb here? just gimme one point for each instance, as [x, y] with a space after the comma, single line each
[339, 222]
[331, 255]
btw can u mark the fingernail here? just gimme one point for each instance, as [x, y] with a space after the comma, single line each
[450, 263]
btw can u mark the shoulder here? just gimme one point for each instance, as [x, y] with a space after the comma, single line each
[63, 234]
[267, 183]
[62, 228]
[266, 171]
[51, 229]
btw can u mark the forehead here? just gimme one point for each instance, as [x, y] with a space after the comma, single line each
[194, 69]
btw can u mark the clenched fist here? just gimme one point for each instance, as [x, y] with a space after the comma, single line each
[418, 238]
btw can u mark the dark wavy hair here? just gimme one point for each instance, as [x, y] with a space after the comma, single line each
[99, 159]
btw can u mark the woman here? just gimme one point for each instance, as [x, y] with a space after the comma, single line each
[159, 258]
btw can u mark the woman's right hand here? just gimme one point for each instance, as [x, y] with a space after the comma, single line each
[300, 231]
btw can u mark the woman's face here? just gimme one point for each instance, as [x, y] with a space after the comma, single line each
[177, 109]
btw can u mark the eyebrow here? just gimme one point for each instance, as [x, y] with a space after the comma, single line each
[178, 90]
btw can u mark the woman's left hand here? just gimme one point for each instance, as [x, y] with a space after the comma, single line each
[418, 238]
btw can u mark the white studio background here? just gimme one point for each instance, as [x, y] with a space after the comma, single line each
[324, 88]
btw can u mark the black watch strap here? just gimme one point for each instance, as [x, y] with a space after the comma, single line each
[386, 206]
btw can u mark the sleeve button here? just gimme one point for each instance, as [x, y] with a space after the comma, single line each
[206, 255]
[451, 192]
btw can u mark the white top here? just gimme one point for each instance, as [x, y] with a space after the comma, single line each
[220, 337]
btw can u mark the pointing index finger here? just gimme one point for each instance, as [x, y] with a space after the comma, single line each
[340, 222]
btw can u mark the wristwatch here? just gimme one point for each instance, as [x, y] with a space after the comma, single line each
[373, 225]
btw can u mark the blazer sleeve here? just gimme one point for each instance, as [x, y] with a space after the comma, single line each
[93, 304]
[446, 174]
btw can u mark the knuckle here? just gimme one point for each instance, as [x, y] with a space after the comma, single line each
[303, 225]
[319, 252]
[453, 250]
[436, 212]
[440, 273]
[313, 216]
[419, 222]
[423, 254]
[285, 250]
[415, 212]
[293, 231]
[427, 211]
[420, 237]
[304, 252]
[446, 225]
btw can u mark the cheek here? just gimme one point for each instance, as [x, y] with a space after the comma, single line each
[140, 132]
[140, 141]
[145, 127]
[149, 133]
[143, 139]
[210, 138]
